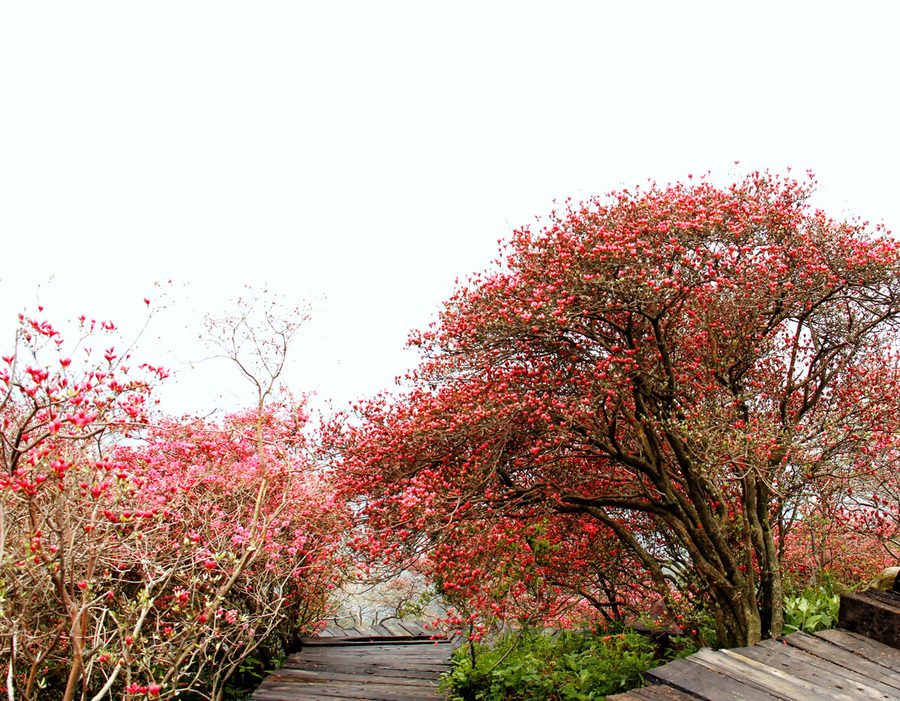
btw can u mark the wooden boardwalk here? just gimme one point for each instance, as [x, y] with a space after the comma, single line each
[840, 665]
[395, 661]
[859, 661]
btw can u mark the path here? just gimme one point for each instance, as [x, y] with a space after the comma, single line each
[858, 661]
[395, 661]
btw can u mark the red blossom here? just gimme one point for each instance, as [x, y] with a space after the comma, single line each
[679, 370]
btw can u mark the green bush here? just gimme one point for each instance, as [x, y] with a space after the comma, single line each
[582, 666]
[532, 666]
[811, 610]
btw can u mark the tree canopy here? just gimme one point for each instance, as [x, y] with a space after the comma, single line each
[645, 393]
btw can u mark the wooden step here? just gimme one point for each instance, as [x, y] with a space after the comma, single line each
[873, 613]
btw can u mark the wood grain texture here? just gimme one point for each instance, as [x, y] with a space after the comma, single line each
[834, 665]
[872, 650]
[401, 662]
[703, 683]
[875, 614]
[845, 658]
[652, 693]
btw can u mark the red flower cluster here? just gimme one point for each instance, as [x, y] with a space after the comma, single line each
[146, 553]
[646, 394]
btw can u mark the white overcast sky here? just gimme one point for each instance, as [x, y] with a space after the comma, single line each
[367, 154]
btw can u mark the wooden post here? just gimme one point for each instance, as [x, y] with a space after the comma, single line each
[873, 613]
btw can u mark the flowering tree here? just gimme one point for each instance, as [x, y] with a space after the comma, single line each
[150, 555]
[60, 411]
[855, 525]
[246, 543]
[47, 400]
[829, 544]
[677, 369]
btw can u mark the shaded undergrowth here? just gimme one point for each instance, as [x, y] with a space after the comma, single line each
[571, 666]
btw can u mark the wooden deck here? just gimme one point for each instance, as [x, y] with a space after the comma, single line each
[841, 664]
[859, 661]
[395, 661]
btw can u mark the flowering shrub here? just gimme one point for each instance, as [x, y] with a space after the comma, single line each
[688, 367]
[562, 571]
[823, 546]
[147, 556]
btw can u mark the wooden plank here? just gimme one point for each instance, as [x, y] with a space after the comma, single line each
[430, 664]
[420, 671]
[395, 628]
[661, 693]
[291, 695]
[360, 653]
[761, 676]
[705, 684]
[376, 657]
[325, 693]
[385, 640]
[416, 629]
[351, 686]
[406, 649]
[861, 645]
[818, 672]
[351, 683]
[283, 695]
[371, 667]
[844, 658]
[380, 671]
[411, 664]
[293, 675]
[336, 695]
[358, 668]
[652, 693]
[836, 665]
[388, 631]
[349, 690]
